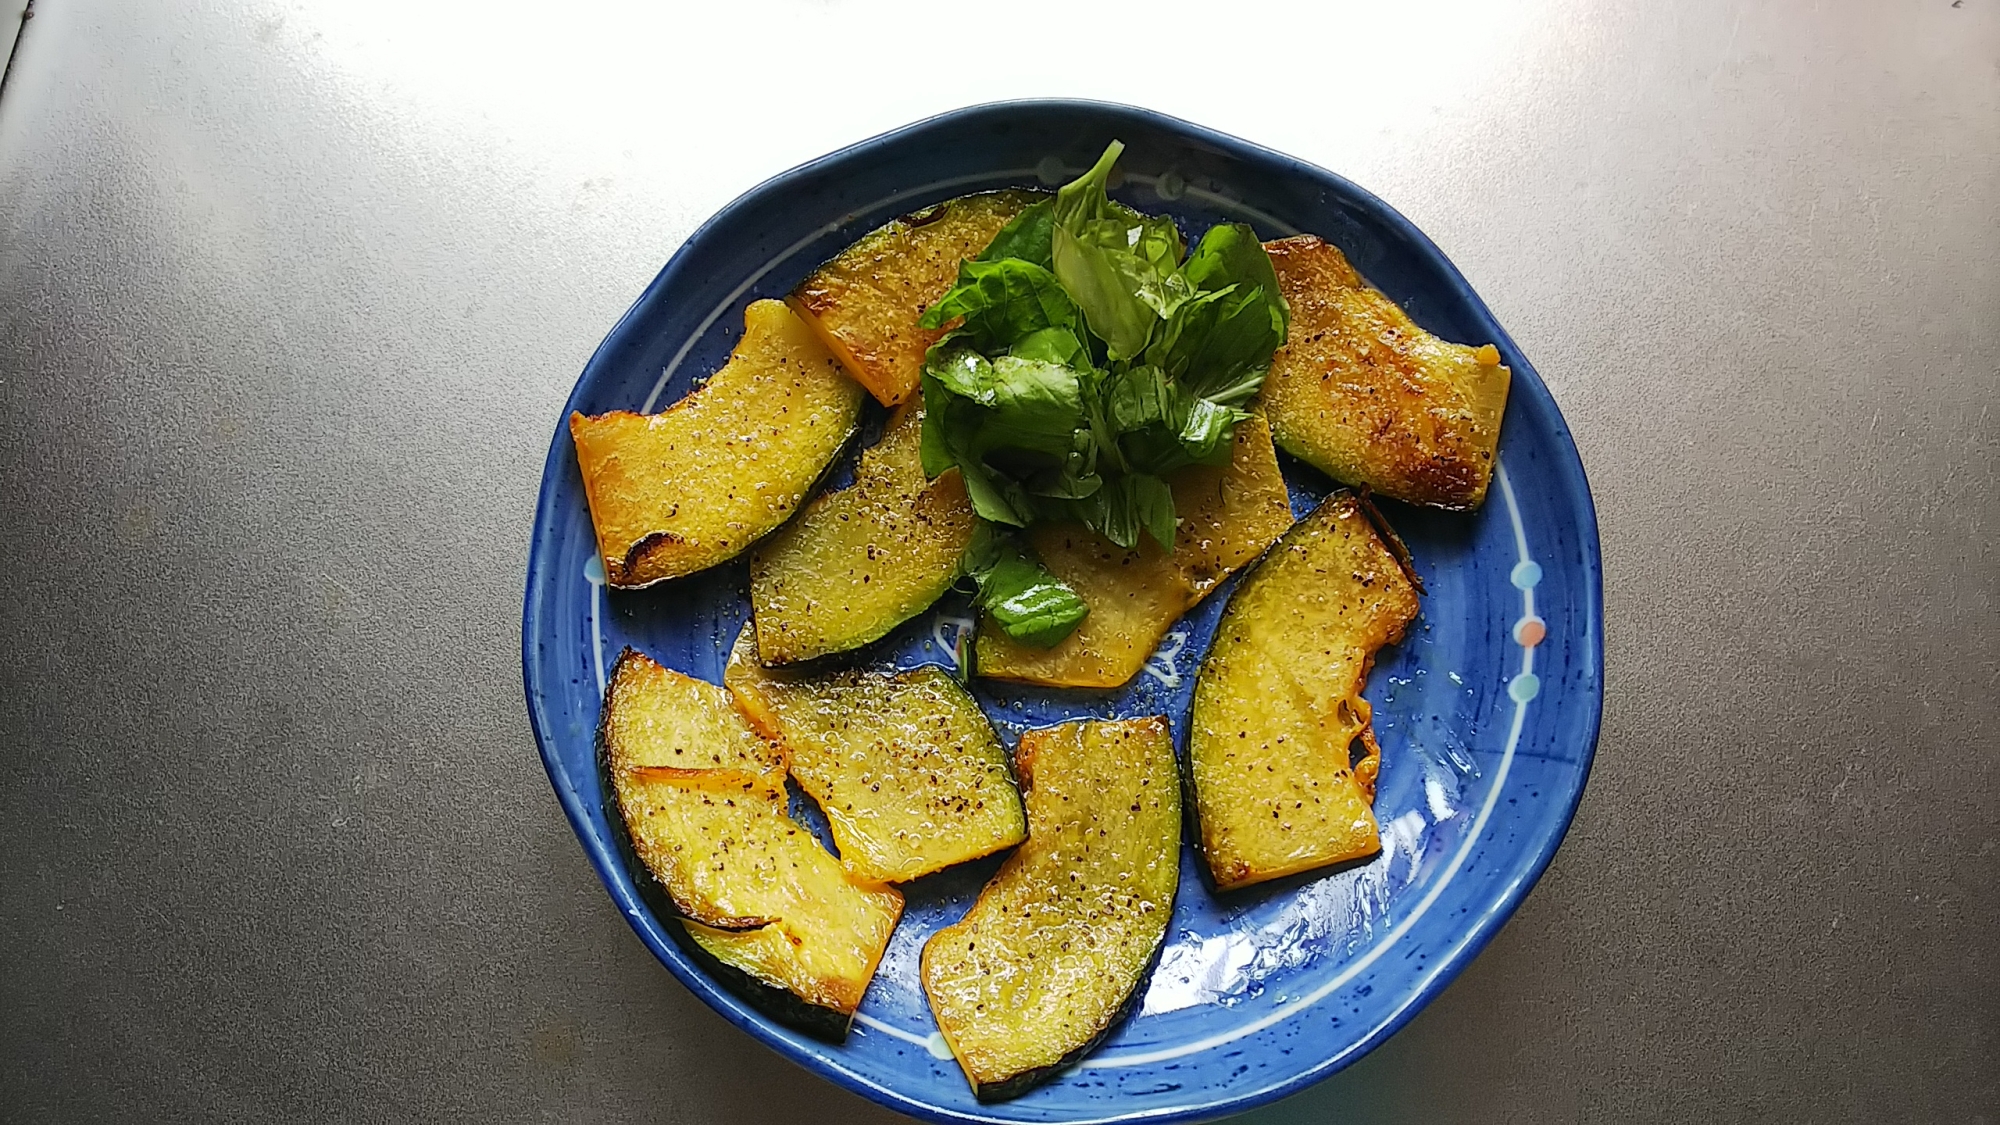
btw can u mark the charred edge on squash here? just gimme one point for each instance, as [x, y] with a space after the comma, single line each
[1370, 749]
[644, 546]
[1365, 498]
[775, 1003]
[925, 216]
[634, 556]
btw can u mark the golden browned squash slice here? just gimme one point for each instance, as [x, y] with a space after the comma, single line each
[679, 491]
[906, 767]
[702, 799]
[1365, 395]
[1061, 941]
[1278, 704]
[1228, 516]
[865, 302]
[861, 561]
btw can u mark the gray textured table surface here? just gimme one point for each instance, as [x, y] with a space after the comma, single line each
[291, 295]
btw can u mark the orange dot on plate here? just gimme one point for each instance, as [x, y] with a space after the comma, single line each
[1529, 631]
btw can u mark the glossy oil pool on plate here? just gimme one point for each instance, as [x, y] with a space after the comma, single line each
[1487, 712]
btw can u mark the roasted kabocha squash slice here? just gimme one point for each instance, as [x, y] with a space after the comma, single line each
[701, 796]
[1278, 707]
[1060, 943]
[906, 767]
[860, 561]
[697, 484]
[1362, 393]
[864, 303]
[1228, 516]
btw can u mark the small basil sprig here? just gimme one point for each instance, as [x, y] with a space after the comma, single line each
[1017, 592]
[1087, 362]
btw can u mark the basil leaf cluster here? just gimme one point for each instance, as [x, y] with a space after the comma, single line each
[1090, 356]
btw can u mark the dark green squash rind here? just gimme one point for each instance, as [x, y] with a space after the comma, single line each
[1029, 1079]
[779, 1004]
[1184, 762]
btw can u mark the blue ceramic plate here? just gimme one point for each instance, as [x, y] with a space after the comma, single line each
[1487, 713]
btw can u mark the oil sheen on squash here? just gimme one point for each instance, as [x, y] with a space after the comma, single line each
[703, 801]
[861, 561]
[697, 484]
[1227, 517]
[1278, 706]
[1365, 395]
[865, 302]
[1057, 947]
[905, 765]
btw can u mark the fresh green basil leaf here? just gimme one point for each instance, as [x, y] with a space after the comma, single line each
[1114, 516]
[1229, 254]
[1026, 236]
[1035, 609]
[1107, 349]
[1219, 339]
[962, 371]
[1155, 449]
[1053, 345]
[993, 497]
[1206, 432]
[1036, 394]
[1163, 428]
[1065, 487]
[1163, 292]
[1084, 198]
[1108, 234]
[1074, 481]
[1152, 505]
[1136, 504]
[1001, 302]
[1235, 346]
[1030, 425]
[1020, 451]
[1223, 337]
[1018, 593]
[1246, 385]
[935, 447]
[1138, 397]
[1152, 238]
[1159, 242]
[983, 552]
[1105, 285]
[1078, 476]
[1168, 351]
[954, 431]
[1144, 253]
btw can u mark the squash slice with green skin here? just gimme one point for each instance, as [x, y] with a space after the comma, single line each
[1228, 515]
[861, 561]
[1278, 706]
[1362, 393]
[1061, 941]
[695, 485]
[865, 302]
[905, 765]
[701, 796]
